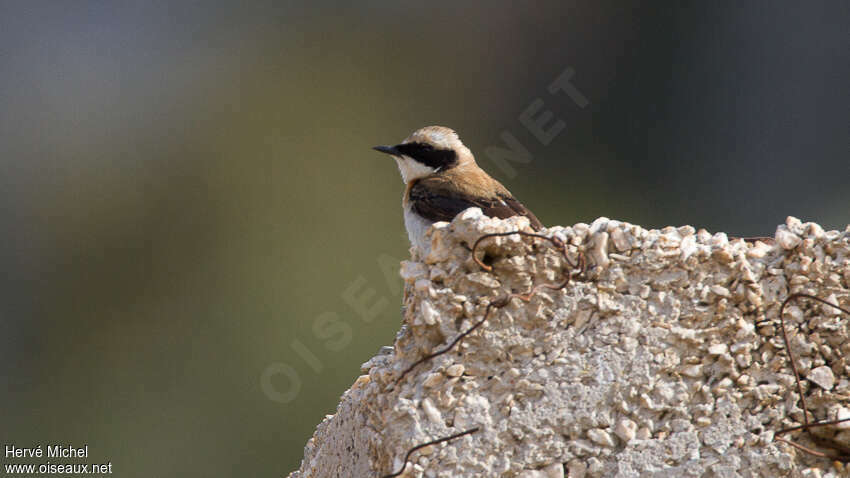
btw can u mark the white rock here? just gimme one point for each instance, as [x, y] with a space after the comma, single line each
[843, 413]
[594, 466]
[577, 469]
[422, 285]
[703, 421]
[619, 239]
[555, 470]
[832, 299]
[822, 377]
[787, 239]
[600, 224]
[692, 371]
[483, 278]
[411, 271]
[601, 437]
[531, 474]
[670, 238]
[429, 315]
[815, 230]
[639, 369]
[811, 473]
[794, 224]
[688, 246]
[758, 251]
[432, 380]
[431, 411]
[455, 370]
[626, 429]
[719, 240]
[437, 274]
[439, 246]
[599, 251]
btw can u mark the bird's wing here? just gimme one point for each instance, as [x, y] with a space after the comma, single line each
[520, 210]
[436, 203]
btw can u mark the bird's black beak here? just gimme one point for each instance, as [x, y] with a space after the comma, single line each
[387, 149]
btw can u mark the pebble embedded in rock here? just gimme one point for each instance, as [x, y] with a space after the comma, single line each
[428, 313]
[432, 412]
[823, 377]
[786, 239]
[455, 370]
[626, 429]
[555, 470]
[843, 413]
[432, 380]
[601, 437]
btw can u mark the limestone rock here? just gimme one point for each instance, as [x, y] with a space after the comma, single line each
[666, 359]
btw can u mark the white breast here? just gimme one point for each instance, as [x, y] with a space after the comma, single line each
[416, 227]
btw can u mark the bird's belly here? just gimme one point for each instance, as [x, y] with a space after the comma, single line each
[416, 227]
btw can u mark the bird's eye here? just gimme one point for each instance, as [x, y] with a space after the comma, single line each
[415, 150]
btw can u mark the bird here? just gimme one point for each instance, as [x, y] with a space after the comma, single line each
[442, 180]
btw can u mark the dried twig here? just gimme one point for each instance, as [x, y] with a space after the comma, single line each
[836, 451]
[423, 445]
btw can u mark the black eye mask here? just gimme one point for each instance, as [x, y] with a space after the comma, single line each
[428, 155]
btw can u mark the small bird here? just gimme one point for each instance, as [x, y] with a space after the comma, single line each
[443, 180]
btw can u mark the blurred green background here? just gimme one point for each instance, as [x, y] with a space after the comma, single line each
[188, 197]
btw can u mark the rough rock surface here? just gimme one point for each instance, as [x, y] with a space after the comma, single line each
[665, 360]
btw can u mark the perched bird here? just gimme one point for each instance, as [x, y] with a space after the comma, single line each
[443, 180]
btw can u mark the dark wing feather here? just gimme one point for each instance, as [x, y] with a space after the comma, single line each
[521, 210]
[441, 205]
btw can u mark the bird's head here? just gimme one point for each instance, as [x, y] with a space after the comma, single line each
[427, 151]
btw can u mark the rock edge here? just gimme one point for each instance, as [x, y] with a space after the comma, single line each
[667, 361]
